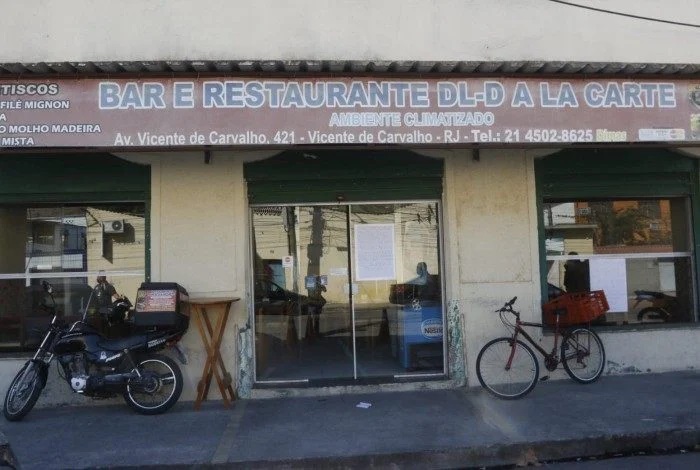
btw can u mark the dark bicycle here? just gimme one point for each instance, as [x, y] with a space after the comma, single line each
[508, 368]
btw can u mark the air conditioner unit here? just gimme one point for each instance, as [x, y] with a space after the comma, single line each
[113, 226]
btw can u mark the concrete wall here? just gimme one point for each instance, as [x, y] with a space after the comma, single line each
[449, 30]
[491, 216]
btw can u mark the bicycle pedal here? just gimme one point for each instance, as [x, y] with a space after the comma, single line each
[543, 378]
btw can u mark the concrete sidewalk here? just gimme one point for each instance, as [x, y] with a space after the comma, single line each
[424, 429]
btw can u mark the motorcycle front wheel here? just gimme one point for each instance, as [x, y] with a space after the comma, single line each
[23, 393]
[157, 388]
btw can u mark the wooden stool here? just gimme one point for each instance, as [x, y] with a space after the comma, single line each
[211, 337]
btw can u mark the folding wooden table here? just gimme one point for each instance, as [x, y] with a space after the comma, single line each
[211, 337]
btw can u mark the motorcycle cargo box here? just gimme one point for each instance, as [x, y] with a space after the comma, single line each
[161, 305]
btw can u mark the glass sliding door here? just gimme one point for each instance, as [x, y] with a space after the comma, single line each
[397, 289]
[303, 320]
[347, 291]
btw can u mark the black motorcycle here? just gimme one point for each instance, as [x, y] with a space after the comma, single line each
[100, 367]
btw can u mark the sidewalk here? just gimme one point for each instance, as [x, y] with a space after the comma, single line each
[423, 429]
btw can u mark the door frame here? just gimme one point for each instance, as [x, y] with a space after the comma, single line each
[354, 380]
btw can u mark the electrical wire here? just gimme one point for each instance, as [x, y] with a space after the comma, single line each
[627, 15]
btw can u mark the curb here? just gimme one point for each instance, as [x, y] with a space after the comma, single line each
[519, 454]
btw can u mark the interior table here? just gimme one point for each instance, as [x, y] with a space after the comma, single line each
[214, 366]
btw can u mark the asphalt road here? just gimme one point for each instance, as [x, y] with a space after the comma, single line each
[675, 461]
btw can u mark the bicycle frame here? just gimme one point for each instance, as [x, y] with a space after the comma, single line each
[519, 330]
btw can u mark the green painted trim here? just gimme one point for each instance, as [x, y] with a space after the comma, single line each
[147, 235]
[345, 190]
[695, 223]
[58, 178]
[343, 175]
[542, 249]
[60, 198]
[610, 173]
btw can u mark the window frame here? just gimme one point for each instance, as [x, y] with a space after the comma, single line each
[606, 174]
[55, 179]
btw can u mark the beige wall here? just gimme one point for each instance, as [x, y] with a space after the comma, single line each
[490, 214]
[199, 238]
[448, 30]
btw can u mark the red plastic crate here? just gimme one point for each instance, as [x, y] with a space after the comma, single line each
[580, 307]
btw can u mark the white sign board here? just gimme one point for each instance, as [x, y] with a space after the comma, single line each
[374, 252]
[288, 261]
[610, 275]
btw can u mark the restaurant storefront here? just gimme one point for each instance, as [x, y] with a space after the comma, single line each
[370, 225]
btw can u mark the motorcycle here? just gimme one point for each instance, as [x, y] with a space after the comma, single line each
[660, 306]
[100, 367]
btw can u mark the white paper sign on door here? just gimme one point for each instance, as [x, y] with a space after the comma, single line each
[610, 275]
[374, 252]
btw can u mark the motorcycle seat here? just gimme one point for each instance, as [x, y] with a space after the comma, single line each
[656, 295]
[120, 344]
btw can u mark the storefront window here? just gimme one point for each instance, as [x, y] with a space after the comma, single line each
[69, 246]
[639, 252]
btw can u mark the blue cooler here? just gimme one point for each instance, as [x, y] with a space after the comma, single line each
[419, 333]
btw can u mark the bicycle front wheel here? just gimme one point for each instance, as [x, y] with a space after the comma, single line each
[583, 355]
[507, 368]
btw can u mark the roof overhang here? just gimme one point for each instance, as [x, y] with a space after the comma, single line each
[350, 67]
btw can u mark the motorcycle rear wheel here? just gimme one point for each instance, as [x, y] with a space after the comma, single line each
[158, 389]
[652, 315]
[23, 393]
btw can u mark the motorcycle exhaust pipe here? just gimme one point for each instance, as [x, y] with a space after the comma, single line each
[118, 379]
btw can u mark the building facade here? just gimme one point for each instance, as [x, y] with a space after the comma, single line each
[372, 181]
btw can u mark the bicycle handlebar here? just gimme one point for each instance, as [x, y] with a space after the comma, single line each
[508, 306]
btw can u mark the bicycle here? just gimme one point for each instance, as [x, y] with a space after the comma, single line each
[508, 368]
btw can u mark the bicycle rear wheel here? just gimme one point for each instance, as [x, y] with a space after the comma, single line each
[502, 381]
[583, 355]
